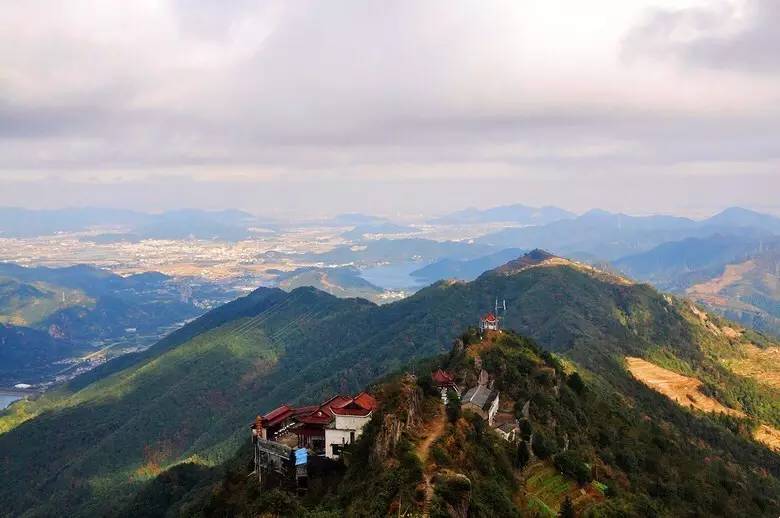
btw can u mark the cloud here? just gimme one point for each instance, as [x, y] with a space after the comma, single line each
[384, 91]
[721, 35]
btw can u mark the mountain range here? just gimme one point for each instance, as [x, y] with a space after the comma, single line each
[228, 225]
[89, 446]
[516, 214]
[600, 235]
[50, 314]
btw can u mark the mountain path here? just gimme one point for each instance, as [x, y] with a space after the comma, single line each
[423, 450]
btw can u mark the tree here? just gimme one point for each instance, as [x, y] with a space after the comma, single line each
[453, 406]
[523, 455]
[542, 446]
[575, 383]
[567, 509]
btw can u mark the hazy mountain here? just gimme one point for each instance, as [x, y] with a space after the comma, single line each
[341, 282]
[18, 222]
[675, 265]
[191, 395]
[383, 228]
[465, 270]
[352, 219]
[739, 217]
[733, 275]
[747, 291]
[602, 235]
[85, 306]
[229, 225]
[520, 214]
[397, 250]
[27, 354]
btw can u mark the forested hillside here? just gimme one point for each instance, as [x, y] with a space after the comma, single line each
[88, 447]
[65, 312]
[580, 443]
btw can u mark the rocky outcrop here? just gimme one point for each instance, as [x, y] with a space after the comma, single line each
[454, 490]
[405, 416]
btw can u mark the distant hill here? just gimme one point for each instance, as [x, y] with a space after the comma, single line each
[744, 218]
[341, 282]
[735, 276]
[191, 395]
[26, 354]
[398, 250]
[519, 214]
[675, 265]
[603, 235]
[81, 306]
[361, 231]
[465, 270]
[351, 219]
[229, 225]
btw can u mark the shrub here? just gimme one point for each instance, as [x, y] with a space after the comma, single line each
[542, 446]
[574, 381]
[571, 463]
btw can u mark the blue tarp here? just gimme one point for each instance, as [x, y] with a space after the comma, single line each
[301, 456]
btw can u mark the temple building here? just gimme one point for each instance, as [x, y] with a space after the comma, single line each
[489, 323]
[481, 400]
[323, 429]
[444, 382]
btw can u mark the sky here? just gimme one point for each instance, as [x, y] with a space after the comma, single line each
[405, 107]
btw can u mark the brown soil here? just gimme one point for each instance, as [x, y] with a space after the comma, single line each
[732, 273]
[679, 388]
[433, 431]
[763, 365]
[685, 391]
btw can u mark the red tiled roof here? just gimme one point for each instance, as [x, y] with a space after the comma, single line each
[360, 405]
[323, 414]
[490, 317]
[442, 377]
[317, 417]
[277, 415]
[366, 400]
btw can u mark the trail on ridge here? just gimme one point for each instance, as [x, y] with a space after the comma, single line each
[423, 450]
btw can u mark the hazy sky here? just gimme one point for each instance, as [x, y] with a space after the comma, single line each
[392, 107]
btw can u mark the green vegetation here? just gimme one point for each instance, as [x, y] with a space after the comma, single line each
[88, 448]
[52, 314]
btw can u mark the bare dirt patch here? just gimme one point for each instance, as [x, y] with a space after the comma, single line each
[685, 391]
[681, 389]
[732, 273]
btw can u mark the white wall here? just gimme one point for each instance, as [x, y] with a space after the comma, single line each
[351, 422]
[345, 426]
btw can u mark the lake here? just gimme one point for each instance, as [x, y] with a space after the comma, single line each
[394, 276]
[8, 398]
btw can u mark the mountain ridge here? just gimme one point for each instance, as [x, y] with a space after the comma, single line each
[189, 396]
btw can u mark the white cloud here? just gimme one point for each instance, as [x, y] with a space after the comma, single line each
[388, 91]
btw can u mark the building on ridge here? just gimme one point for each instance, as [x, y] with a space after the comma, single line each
[482, 401]
[324, 429]
[445, 381]
[489, 322]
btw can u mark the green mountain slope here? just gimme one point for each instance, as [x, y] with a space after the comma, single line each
[87, 308]
[88, 447]
[340, 282]
[737, 277]
[609, 452]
